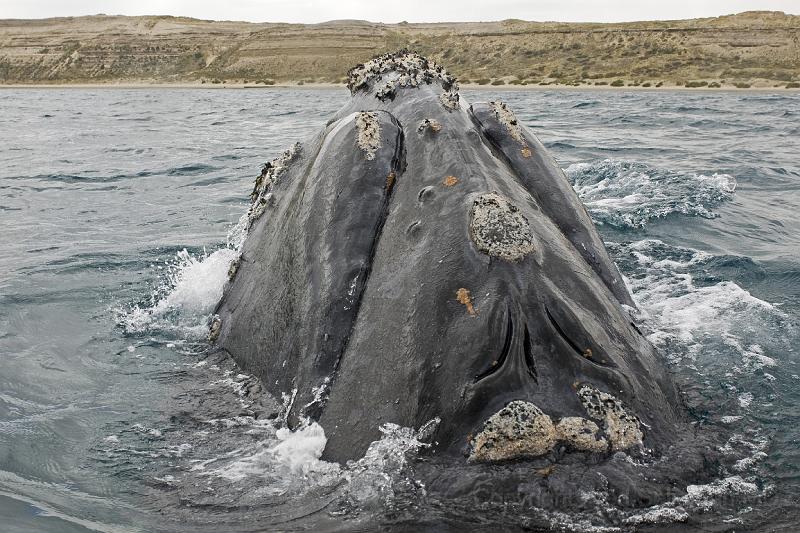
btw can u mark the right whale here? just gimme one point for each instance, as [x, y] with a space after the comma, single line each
[425, 262]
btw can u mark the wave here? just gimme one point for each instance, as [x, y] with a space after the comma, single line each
[687, 311]
[630, 194]
[190, 170]
[184, 170]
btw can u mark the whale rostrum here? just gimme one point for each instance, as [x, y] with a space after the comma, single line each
[422, 258]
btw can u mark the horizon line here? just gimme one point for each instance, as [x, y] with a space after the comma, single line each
[402, 22]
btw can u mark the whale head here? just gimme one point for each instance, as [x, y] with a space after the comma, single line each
[423, 259]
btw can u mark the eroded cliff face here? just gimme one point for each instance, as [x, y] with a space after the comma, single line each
[759, 48]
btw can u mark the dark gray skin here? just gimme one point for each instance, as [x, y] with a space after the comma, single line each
[349, 282]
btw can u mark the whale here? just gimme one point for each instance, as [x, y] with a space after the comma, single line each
[425, 262]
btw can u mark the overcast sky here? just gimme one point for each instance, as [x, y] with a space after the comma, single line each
[397, 10]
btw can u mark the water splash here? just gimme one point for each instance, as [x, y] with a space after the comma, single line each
[726, 339]
[686, 316]
[631, 194]
[283, 453]
[378, 477]
[184, 298]
[182, 303]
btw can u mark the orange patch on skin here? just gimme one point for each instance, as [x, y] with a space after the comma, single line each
[449, 181]
[546, 471]
[435, 126]
[390, 181]
[463, 296]
[526, 152]
[587, 352]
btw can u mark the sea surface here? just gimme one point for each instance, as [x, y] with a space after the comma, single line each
[118, 218]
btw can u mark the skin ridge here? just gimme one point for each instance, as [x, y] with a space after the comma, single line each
[398, 166]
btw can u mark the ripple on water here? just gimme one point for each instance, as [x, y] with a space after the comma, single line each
[630, 194]
[187, 441]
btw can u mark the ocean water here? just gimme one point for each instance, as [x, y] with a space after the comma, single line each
[119, 212]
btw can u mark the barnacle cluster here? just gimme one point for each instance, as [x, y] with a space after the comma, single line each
[499, 229]
[270, 172]
[369, 133]
[521, 429]
[389, 72]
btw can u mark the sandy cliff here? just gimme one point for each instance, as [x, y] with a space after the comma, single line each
[754, 48]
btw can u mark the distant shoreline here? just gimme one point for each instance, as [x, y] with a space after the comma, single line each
[755, 50]
[469, 86]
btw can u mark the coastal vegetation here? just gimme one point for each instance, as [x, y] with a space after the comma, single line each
[753, 49]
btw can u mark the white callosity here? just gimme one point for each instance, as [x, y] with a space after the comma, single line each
[233, 268]
[581, 434]
[369, 133]
[509, 120]
[450, 99]
[518, 430]
[621, 426]
[403, 69]
[265, 181]
[499, 229]
[521, 429]
[389, 89]
[214, 328]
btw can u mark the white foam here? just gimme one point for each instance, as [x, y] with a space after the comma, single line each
[698, 498]
[287, 453]
[701, 308]
[659, 515]
[152, 432]
[238, 233]
[747, 463]
[718, 324]
[745, 399]
[373, 478]
[289, 462]
[198, 282]
[629, 193]
[753, 357]
[675, 309]
[577, 523]
[187, 296]
[238, 384]
[719, 487]
[300, 450]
